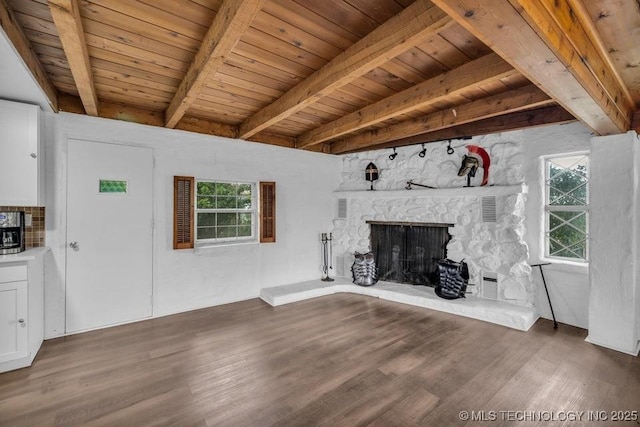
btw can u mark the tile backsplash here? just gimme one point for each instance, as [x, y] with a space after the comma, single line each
[33, 235]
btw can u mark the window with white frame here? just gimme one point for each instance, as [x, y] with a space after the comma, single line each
[567, 207]
[225, 211]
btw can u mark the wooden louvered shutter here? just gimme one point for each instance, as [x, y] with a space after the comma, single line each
[267, 212]
[183, 187]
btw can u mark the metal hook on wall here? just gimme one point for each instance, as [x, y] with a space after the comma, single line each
[449, 148]
[423, 152]
[393, 156]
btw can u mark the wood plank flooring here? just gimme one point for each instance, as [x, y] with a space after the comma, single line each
[330, 361]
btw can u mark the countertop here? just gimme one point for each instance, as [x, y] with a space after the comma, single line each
[25, 256]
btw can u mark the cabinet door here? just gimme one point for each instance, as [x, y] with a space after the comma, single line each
[19, 143]
[13, 321]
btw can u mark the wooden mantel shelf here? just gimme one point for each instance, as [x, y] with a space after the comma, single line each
[496, 190]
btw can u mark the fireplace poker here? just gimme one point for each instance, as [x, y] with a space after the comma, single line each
[555, 323]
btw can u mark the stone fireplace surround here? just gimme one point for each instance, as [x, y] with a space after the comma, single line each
[497, 247]
[491, 249]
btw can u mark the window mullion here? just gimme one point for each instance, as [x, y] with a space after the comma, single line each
[567, 208]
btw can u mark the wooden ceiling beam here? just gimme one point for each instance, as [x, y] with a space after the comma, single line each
[488, 68]
[547, 43]
[66, 17]
[508, 122]
[405, 30]
[566, 31]
[514, 100]
[22, 45]
[230, 23]
[635, 124]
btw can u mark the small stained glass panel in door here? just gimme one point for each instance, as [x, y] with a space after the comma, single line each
[111, 186]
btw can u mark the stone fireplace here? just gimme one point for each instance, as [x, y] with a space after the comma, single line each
[487, 221]
[493, 247]
[485, 225]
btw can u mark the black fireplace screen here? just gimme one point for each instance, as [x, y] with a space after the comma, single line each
[409, 253]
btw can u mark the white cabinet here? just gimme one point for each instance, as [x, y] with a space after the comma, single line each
[21, 171]
[21, 309]
[13, 313]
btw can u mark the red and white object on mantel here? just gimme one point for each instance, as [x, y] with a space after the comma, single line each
[484, 161]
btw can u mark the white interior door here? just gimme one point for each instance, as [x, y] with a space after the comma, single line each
[109, 234]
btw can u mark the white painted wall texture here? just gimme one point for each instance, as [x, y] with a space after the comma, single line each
[184, 280]
[615, 284]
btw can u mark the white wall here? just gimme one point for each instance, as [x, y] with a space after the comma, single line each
[184, 280]
[613, 304]
[568, 284]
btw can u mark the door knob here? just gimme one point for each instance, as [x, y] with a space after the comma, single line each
[74, 245]
[21, 321]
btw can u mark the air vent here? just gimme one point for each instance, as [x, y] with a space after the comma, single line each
[489, 209]
[342, 208]
[489, 285]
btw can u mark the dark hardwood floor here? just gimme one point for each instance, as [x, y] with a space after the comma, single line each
[335, 360]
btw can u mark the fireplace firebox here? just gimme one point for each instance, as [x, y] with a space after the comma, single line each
[408, 252]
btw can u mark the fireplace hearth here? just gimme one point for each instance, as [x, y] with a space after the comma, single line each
[408, 252]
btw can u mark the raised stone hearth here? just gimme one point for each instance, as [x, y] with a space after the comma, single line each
[501, 313]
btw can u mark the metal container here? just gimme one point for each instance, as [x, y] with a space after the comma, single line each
[11, 232]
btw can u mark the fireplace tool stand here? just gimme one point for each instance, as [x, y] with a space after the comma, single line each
[555, 323]
[327, 256]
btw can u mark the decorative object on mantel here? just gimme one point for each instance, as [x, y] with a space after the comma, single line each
[371, 173]
[327, 265]
[364, 270]
[477, 158]
[453, 279]
[555, 323]
[410, 183]
[393, 155]
[423, 152]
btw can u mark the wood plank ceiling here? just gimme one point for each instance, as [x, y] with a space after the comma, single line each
[336, 76]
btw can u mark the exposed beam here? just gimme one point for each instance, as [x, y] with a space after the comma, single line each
[635, 125]
[520, 120]
[230, 23]
[553, 51]
[566, 31]
[582, 13]
[480, 71]
[405, 30]
[506, 102]
[22, 45]
[66, 17]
